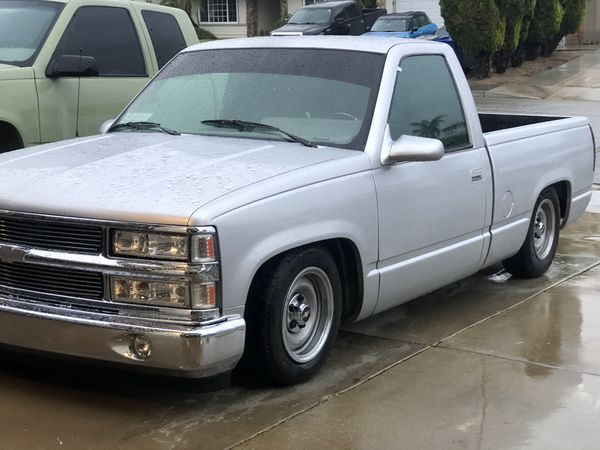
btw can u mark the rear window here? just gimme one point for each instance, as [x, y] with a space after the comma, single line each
[167, 38]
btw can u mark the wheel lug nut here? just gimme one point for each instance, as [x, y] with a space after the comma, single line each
[293, 324]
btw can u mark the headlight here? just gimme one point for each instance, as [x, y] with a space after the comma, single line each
[150, 245]
[197, 248]
[163, 293]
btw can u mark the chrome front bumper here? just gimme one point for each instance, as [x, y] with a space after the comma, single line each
[203, 350]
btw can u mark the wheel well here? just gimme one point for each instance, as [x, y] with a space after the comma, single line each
[9, 138]
[563, 190]
[347, 259]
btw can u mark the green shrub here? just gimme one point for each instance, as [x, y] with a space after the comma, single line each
[478, 27]
[518, 54]
[204, 35]
[573, 17]
[544, 27]
[513, 12]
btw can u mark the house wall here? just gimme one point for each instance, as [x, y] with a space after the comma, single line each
[591, 25]
[229, 30]
[294, 5]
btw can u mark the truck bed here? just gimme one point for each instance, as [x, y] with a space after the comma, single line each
[496, 122]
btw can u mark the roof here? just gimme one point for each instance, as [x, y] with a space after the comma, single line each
[335, 4]
[402, 14]
[371, 44]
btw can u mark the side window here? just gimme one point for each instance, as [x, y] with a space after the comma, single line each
[426, 103]
[107, 34]
[423, 20]
[165, 34]
[414, 23]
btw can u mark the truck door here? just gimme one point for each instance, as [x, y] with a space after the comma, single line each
[108, 35]
[356, 20]
[431, 214]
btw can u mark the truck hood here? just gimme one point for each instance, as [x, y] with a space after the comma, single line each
[144, 177]
[300, 29]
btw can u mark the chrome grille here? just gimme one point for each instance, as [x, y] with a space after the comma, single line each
[51, 235]
[50, 280]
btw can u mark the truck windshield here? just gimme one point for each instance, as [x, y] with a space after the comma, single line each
[392, 25]
[310, 15]
[24, 25]
[323, 96]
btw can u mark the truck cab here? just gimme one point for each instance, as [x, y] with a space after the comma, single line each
[66, 66]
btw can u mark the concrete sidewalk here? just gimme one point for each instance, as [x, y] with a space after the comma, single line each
[576, 80]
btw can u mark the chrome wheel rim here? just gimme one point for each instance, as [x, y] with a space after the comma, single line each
[307, 314]
[544, 228]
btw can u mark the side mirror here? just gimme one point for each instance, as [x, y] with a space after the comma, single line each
[106, 126]
[412, 148]
[72, 66]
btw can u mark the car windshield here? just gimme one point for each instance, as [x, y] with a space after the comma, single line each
[395, 25]
[24, 25]
[311, 15]
[323, 96]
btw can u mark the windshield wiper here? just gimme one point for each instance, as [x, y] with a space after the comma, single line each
[243, 125]
[143, 126]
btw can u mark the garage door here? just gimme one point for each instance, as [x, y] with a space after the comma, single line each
[430, 7]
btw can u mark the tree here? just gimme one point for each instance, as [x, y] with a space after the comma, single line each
[478, 27]
[518, 55]
[546, 22]
[513, 12]
[574, 13]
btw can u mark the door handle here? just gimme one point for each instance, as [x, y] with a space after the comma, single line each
[476, 176]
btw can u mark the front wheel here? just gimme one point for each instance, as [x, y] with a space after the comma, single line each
[538, 250]
[293, 316]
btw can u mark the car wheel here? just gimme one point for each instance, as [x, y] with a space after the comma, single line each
[294, 316]
[538, 250]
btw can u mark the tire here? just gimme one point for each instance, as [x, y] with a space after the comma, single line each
[293, 316]
[538, 250]
[9, 139]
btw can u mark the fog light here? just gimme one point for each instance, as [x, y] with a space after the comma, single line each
[141, 348]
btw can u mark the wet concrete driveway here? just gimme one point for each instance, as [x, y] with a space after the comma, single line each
[489, 362]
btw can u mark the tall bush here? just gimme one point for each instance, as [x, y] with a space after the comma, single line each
[574, 12]
[544, 27]
[478, 27]
[513, 12]
[518, 54]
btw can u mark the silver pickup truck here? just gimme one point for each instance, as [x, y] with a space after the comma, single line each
[259, 192]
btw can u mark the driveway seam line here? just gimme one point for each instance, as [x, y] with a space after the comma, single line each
[502, 311]
[329, 397]
[522, 361]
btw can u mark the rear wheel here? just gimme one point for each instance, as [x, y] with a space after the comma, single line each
[293, 316]
[538, 250]
[9, 138]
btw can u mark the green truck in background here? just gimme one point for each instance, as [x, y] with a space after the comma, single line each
[66, 66]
